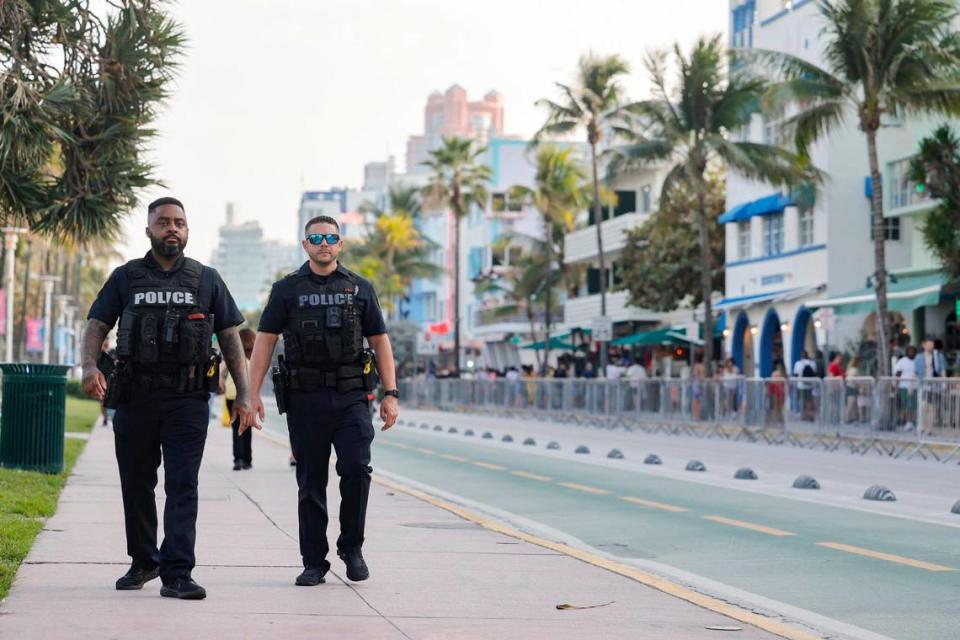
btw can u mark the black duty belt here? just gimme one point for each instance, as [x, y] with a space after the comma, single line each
[153, 382]
[345, 378]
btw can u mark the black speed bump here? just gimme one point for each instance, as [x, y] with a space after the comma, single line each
[452, 430]
[806, 482]
[529, 442]
[696, 465]
[553, 444]
[956, 508]
[507, 438]
[424, 426]
[615, 454]
[468, 432]
[582, 449]
[745, 473]
[437, 427]
[879, 492]
[487, 435]
[652, 459]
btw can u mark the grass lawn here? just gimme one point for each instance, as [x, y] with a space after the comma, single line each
[28, 498]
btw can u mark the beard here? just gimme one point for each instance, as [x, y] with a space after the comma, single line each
[161, 247]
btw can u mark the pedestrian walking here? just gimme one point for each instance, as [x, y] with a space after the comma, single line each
[242, 442]
[169, 307]
[324, 312]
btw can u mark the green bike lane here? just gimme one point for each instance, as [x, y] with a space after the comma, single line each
[892, 576]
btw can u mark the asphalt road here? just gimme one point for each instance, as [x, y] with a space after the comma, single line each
[896, 574]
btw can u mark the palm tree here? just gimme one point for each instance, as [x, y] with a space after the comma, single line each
[592, 103]
[689, 131]
[559, 194]
[459, 181]
[884, 58]
[393, 255]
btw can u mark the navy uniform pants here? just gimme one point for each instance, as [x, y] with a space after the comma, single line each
[175, 427]
[318, 420]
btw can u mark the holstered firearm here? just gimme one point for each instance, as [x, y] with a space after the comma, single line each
[281, 384]
[118, 379]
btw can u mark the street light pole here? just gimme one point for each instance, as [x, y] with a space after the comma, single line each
[48, 282]
[10, 237]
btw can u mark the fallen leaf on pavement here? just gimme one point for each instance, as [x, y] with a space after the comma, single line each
[589, 606]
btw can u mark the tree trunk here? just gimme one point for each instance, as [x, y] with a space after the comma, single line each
[706, 281]
[598, 220]
[547, 300]
[456, 293]
[533, 330]
[884, 333]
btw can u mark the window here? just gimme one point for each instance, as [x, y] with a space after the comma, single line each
[645, 199]
[626, 203]
[430, 307]
[743, 239]
[501, 202]
[903, 191]
[593, 280]
[806, 228]
[743, 18]
[773, 234]
[891, 229]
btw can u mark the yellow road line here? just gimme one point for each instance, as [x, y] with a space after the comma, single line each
[531, 476]
[654, 505]
[449, 456]
[584, 488]
[749, 525]
[650, 580]
[488, 465]
[889, 557]
[428, 452]
[397, 445]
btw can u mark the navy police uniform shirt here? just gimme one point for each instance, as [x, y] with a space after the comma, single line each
[115, 294]
[281, 301]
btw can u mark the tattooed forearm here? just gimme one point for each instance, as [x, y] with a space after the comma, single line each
[92, 343]
[233, 356]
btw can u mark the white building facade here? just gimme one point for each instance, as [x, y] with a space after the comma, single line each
[797, 280]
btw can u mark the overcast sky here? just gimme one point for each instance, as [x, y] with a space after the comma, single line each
[278, 96]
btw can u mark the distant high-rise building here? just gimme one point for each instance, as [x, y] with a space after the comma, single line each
[451, 114]
[248, 263]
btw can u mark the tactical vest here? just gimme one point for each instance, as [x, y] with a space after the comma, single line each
[165, 328]
[323, 329]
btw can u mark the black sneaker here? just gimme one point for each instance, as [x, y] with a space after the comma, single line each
[356, 567]
[247, 465]
[136, 577]
[311, 577]
[237, 466]
[183, 588]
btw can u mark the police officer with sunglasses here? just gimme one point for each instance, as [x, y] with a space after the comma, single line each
[324, 384]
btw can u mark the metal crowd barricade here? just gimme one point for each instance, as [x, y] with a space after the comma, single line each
[811, 412]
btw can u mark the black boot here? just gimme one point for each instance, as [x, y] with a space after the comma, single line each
[311, 577]
[183, 588]
[356, 567]
[136, 577]
[237, 466]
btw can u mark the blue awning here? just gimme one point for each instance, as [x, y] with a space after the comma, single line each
[773, 203]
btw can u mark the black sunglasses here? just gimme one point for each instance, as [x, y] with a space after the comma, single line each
[318, 238]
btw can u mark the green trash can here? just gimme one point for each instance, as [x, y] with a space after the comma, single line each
[32, 416]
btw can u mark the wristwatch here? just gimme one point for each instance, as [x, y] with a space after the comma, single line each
[392, 392]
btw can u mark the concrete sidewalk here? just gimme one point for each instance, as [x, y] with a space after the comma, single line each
[434, 575]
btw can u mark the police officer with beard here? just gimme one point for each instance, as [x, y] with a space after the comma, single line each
[324, 311]
[169, 307]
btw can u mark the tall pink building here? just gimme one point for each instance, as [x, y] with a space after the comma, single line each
[451, 114]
